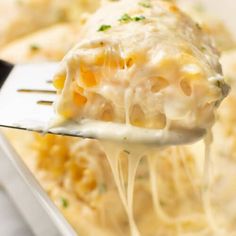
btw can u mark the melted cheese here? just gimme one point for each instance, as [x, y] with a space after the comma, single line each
[134, 155]
[119, 73]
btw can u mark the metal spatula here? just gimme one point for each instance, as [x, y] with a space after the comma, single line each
[26, 100]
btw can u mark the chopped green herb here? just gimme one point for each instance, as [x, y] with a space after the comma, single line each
[162, 203]
[139, 18]
[34, 47]
[102, 188]
[203, 49]
[146, 4]
[218, 83]
[104, 28]
[126, 151]
[61, 15]
[198, 26]
[125, 18]
[142, 161]
[64, 202]
[141, 177]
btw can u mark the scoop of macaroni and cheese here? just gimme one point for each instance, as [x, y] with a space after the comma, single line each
[143, 63]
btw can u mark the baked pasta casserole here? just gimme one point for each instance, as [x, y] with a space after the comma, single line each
[147, 64]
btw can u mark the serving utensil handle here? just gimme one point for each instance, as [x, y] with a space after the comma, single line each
[5, 69]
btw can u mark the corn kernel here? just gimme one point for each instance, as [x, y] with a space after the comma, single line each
[66, 112]
[174, 9]
[139, 57]
[87, 77]
[83, 161]
[59, 81]
[100, 60]
[77, 88]
[107, 116]
[75, 171]
[158, 121]
[137, 122]
[129, 62]
[112, 61]
[79, 99]
[137, 117]
[159, 83]
[107, 113]
[186, 87]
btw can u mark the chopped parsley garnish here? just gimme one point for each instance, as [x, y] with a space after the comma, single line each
[34, 47]
[218, 84]
[125, 18]
[146, 4]
[142, 161]
[64, 202]
[104, 28]
[141, 177]
[198, 26]
[162, 203]
[203, 49]
[139, 18]
[126, 151]
[102, 188]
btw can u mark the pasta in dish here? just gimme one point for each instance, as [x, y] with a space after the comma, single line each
[48, 44]
[78, 178]
[212, 25]
[21, 17]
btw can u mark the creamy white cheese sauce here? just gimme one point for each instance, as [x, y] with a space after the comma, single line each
[206, 187]
[134, 153]
[125, 133]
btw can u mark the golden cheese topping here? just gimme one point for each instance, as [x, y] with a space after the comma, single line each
[143, 63]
